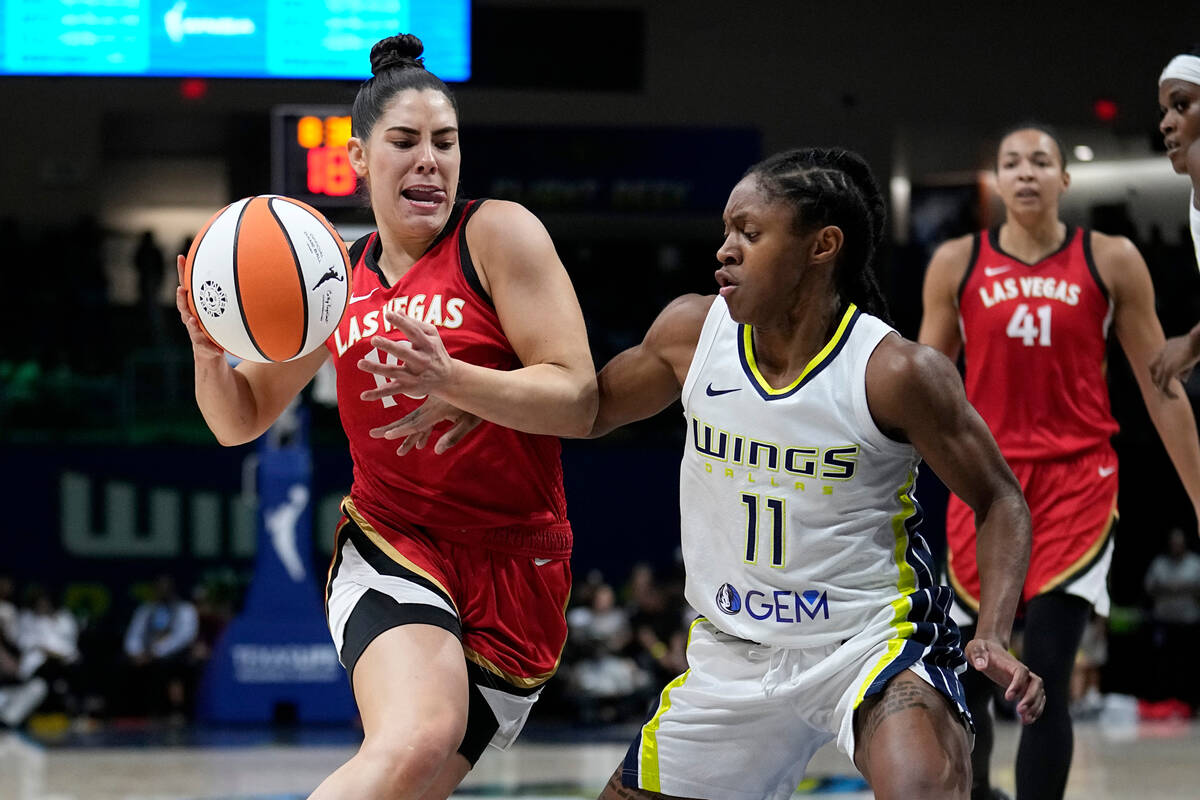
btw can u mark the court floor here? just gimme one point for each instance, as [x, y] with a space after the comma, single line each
[1142, 761]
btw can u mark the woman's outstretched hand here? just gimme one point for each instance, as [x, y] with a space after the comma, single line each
[416, 427]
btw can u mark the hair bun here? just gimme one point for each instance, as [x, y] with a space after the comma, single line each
[401, 50]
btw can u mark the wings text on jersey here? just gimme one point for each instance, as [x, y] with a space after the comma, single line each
[803, 461]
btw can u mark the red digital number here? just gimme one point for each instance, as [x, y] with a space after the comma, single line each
[330, 173]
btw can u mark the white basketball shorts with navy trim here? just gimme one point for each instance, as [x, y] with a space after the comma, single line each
[744, 721]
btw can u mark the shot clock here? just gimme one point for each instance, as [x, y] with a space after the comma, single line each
[309, 160]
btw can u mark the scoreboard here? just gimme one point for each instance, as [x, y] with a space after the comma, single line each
[226, 38]
[309, 160]
[561, 168]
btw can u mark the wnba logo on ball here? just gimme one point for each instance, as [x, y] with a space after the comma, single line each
[728, 599]
[211, 298]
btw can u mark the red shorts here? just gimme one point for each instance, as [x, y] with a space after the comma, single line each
[508, 610]
[1073, 503]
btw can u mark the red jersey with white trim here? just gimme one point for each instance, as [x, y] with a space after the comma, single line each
[499, 487]
[1034, 340]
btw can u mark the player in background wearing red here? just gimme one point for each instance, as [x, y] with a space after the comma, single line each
[1030, 304]
[1179, 102]
[451, 573]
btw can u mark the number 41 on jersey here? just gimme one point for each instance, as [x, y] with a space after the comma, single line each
[1031, 328]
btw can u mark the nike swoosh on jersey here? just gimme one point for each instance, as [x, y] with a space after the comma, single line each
[711, 392]
[1106, 471]
[992, 272]
[354, 298]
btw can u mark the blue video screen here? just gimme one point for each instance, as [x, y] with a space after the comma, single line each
[226, 38]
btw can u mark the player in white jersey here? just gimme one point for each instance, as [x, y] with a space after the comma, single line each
[807, 416]
[1179, 101]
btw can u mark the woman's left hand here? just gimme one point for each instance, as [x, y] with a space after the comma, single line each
[1021, 685]
[417, 426]
[1176, 360]
[421, 365]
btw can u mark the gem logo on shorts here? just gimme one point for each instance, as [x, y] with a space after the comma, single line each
[211, 298]
[779, 605]
[728, 599]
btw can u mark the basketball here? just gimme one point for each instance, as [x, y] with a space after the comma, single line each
[267, 278]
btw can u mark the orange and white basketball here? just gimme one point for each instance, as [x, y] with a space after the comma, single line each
[268, 278]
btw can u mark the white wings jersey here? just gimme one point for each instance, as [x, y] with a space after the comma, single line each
[1194, 214]
[797, 512]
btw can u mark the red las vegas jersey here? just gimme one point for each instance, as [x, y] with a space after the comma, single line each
[1034, 338]
[498, 487]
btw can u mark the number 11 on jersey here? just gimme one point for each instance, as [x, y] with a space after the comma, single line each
[776, 509]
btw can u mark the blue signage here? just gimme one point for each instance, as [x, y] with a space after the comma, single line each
[226, 38]
[618, 169]
[278, 652]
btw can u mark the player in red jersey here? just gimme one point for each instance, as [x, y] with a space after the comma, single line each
[1179, 101]
[447, 592]
[1030, 304]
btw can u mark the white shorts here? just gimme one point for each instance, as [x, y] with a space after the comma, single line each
[745, 719]
[1091, 585]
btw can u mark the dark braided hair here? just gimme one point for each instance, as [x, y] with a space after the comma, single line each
[396, 65]
[832, 186]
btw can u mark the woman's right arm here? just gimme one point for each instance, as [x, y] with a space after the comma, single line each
[643, 380]
[636, 384]
[939, 297]
[240, 404]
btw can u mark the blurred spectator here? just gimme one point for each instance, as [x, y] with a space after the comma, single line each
[607, 684]
[48, 640]
[18, 697]
[8, 627]
[660, 619]
[1173, 584]
[583, 590]
[1086, 699]
[82, 252]
[150, 265]
[212, 616]
[602, 623]
[158, 645]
